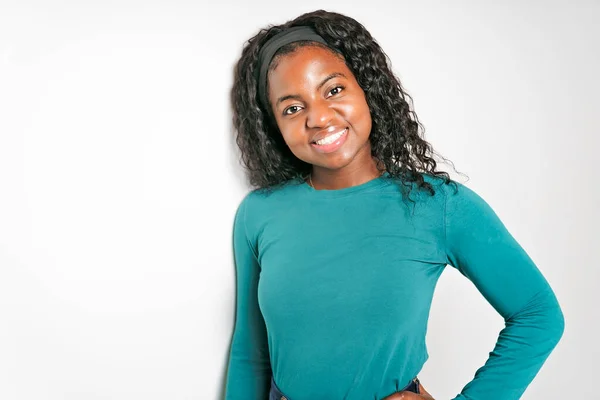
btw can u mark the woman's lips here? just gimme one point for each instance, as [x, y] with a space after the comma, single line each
[331, 147]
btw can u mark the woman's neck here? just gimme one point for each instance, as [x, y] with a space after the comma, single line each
[356, 173]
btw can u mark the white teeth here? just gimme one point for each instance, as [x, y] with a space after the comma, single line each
[330, 139]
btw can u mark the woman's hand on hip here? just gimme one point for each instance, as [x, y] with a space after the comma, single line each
[406, 395]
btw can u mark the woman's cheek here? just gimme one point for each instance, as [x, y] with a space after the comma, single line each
[349, 111]
[357, 114]
[293, 136]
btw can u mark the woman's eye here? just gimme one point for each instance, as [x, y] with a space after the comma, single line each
[336, 90]
[293, 110]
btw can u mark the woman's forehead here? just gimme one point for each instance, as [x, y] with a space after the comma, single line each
[305, 65]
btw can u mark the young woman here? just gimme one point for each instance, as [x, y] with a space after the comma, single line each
[339, 247]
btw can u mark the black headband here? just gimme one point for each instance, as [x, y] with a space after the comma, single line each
[265, 55]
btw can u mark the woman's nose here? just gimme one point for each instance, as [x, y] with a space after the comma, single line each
[319, 114]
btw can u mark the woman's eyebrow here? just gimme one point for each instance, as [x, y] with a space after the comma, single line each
[330, 76]
[287, 97]
[323, 82]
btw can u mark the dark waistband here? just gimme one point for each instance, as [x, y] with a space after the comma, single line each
[276, 394]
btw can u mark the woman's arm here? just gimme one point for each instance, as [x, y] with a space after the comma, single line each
[482, 249]
[249, 372]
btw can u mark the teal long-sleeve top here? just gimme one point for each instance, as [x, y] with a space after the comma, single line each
[334, 289]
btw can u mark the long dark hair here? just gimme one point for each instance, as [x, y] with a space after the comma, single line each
[396, 133]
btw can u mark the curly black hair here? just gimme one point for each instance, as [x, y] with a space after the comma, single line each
[395, 134]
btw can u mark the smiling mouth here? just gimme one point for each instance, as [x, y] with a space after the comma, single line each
[331, 143]
[330, 139]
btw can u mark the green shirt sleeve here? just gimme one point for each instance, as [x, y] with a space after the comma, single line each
[249, 369]
[481, 248]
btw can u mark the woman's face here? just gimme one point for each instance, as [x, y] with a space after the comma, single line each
[320, 109]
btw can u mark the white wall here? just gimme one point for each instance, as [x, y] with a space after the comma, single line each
[119, 182]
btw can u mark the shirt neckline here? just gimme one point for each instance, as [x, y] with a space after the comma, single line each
[333, 193]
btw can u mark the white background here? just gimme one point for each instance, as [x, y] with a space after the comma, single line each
[119, 182]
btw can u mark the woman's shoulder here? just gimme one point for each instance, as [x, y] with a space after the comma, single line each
[456, 196]
[268, 201]
[447, 187]
[432, 188]
[276, 194]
